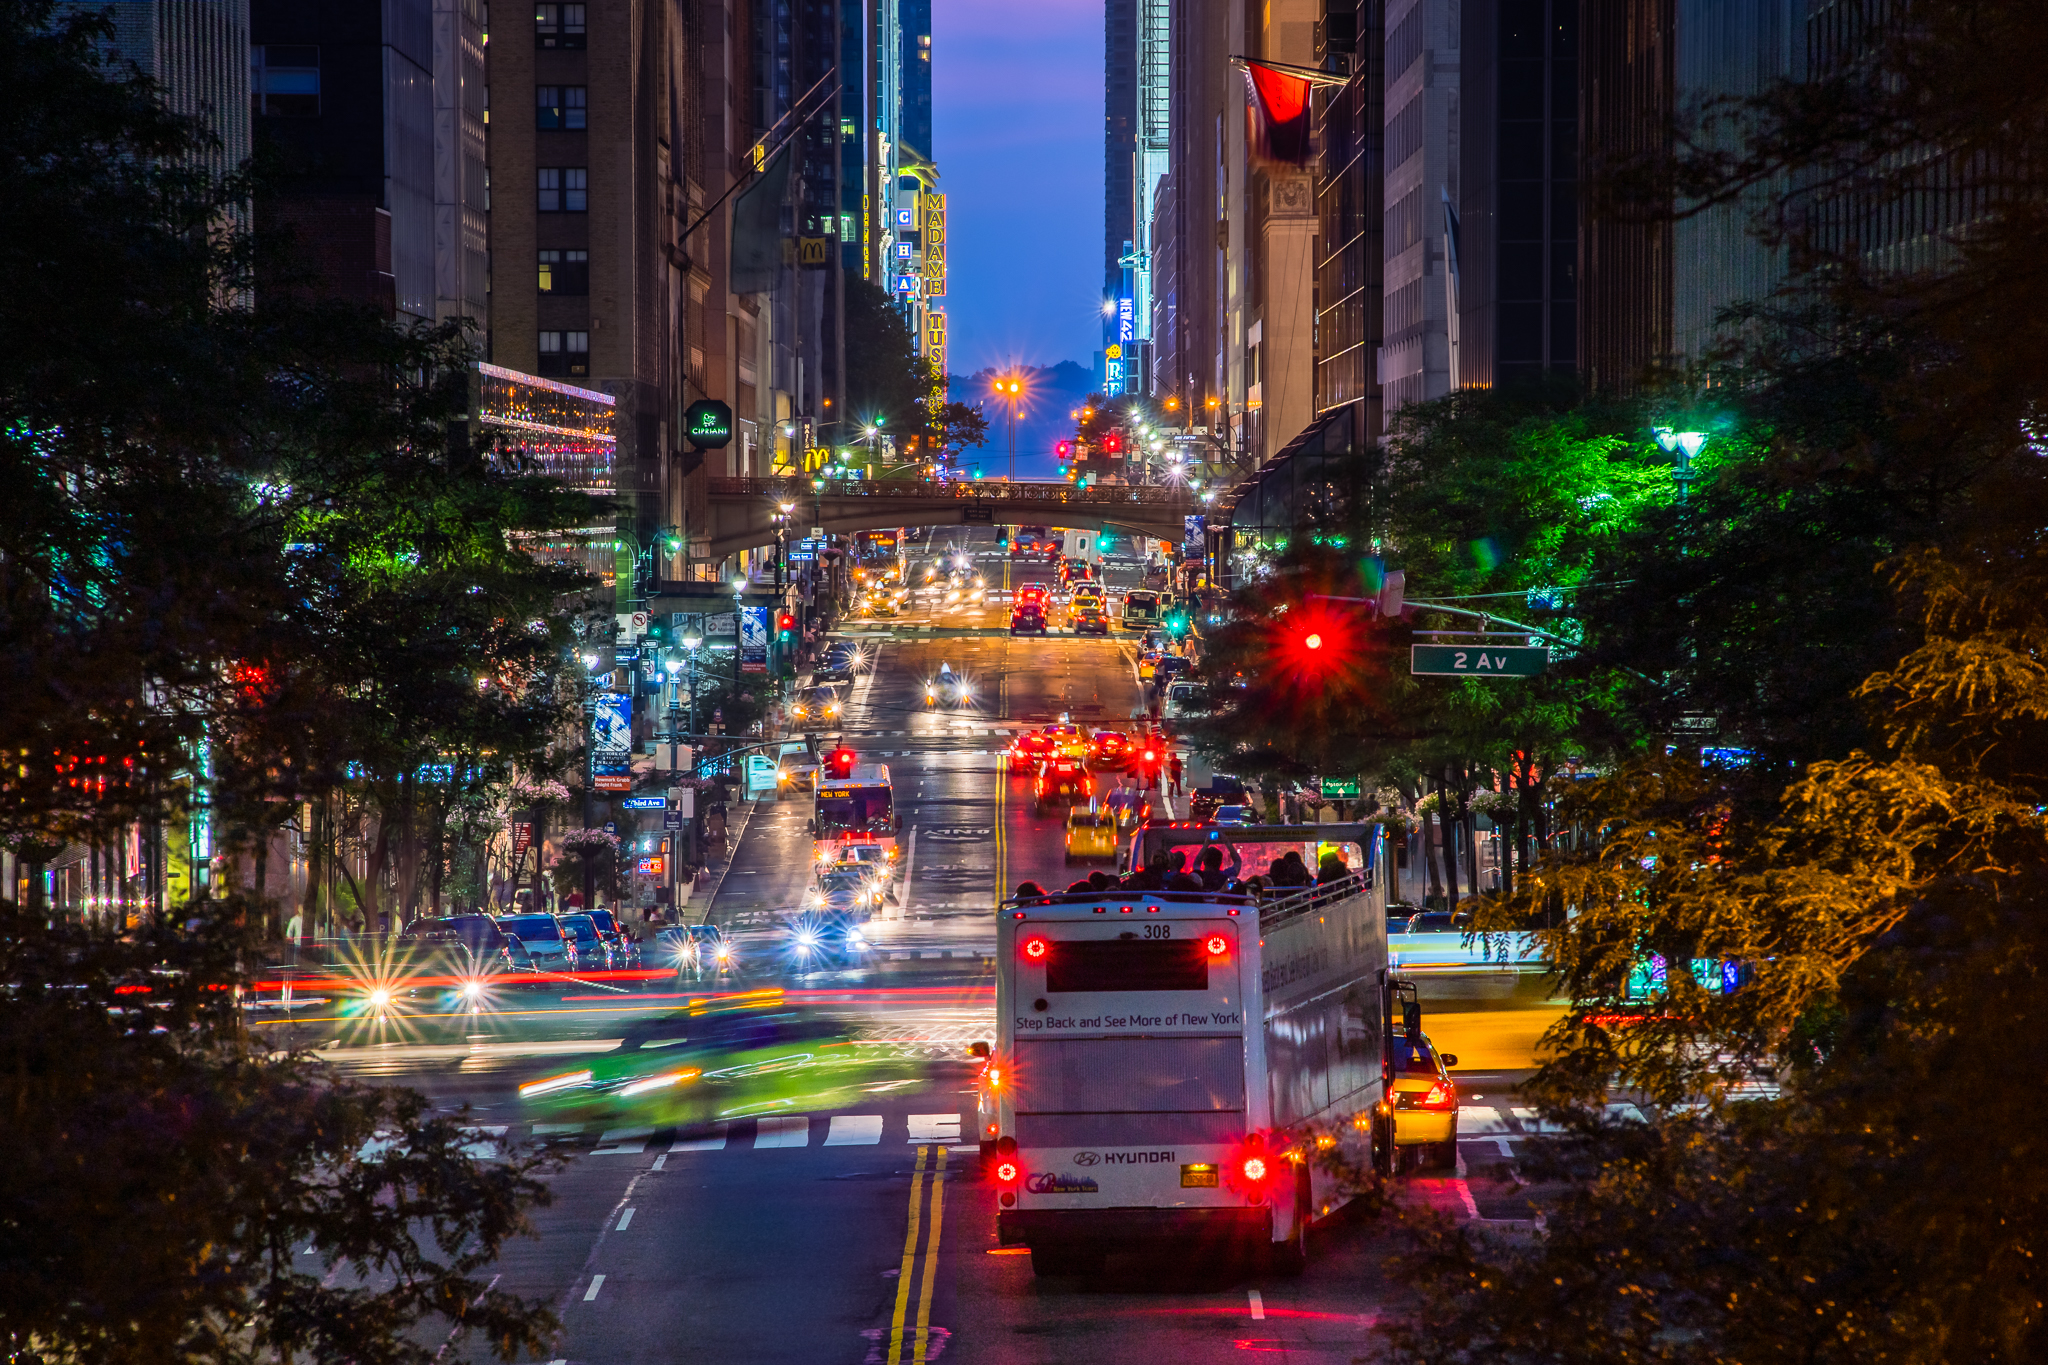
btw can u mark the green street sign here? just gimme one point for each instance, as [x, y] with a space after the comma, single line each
[1478, 661]
[708, 424]
[1335, 787]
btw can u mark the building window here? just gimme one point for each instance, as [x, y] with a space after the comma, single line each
[565, 272]
[559, 106]
[563, 189]
[284, 82]
[558, 26]
[564, 353]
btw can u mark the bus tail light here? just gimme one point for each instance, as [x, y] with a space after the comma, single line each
[1036, 949]
[1218, 945]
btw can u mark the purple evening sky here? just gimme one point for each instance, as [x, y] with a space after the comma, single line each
[1017, 116]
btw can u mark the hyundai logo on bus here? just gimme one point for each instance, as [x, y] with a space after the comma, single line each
[1124, 1158]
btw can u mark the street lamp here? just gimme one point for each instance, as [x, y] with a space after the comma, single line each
[1684, 447]
[1009, 388]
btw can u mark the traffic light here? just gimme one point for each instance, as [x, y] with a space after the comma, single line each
[1178, 622]
[1002, 538]
[785, 628]
[658, 629]
[1113, 443]
[839, 764]
[1064, 448]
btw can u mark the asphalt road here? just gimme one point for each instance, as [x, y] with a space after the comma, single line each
[840, 1216]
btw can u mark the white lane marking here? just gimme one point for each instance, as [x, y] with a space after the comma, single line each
[1625, 1113]
[854, 1130]
[625, 1221]
[596, 1283]
[909, 866]
[934, 1127]
[659, 1162]
[551, 1129]
[714, 1143]
[1532, 1123]
[1465, 1193]
[622, 1142]
[1258, 1305]
[784, 1130]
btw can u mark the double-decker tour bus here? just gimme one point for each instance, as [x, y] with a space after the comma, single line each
[855, 805]
[1144, 608]
[1167, 1063]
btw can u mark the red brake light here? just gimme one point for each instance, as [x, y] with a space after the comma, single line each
[1218, 945]
[1007, 1172]
[1255, 1168]
[1442, 1095]
[1036, 948]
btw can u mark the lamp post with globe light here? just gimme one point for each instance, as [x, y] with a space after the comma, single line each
[1684, 447]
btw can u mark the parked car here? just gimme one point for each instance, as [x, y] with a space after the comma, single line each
[593, 950]
[551, 948]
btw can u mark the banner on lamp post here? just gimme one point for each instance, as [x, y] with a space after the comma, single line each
[754, 640]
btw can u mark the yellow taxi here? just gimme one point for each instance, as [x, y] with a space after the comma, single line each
[1067, 741]
[1425, 1101]
[1148, 663]
[1090, 834]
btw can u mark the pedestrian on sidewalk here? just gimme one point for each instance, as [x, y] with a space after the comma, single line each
[1173, 771]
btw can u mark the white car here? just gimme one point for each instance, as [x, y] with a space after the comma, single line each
[1183, 699]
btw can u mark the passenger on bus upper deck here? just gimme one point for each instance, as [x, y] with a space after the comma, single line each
[1289, 870]
[1209, 867]
[1332, 869]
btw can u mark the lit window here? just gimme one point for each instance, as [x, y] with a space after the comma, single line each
[558, 26]
[564, 272]
[284, 82]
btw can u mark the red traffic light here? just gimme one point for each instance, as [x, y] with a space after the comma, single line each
[785, 621]
[840, 763]
[1113, 442]
[1063, 447]
[1312, 640]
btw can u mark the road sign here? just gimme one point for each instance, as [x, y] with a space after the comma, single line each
[644, 803]
[1334, 787]
[1478, 661]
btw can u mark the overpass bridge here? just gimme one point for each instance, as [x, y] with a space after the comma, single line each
[742, 512]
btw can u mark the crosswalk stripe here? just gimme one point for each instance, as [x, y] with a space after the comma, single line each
[622, 1141]
[784, 1130]
[934, 1128]
[715, 1142]
[854, 1130]
[1476, 1120]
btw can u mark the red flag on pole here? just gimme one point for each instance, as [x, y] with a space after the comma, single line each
[1276, 116]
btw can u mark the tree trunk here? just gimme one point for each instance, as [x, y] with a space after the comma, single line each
[1446, 819]
[261, 858]
[371, 893]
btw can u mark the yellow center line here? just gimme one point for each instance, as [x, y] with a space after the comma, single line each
[931, 1263]
[909, 1269]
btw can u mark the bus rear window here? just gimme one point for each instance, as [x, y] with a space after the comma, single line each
[1111, 964]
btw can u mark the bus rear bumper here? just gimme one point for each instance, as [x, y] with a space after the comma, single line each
[1063, 1227]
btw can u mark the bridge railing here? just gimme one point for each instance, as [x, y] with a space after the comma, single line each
[1053, 494]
